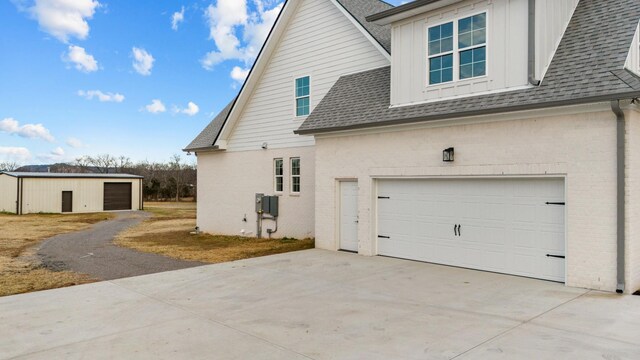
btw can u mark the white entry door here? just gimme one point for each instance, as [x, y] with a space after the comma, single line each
[349, 215]
[513, 226]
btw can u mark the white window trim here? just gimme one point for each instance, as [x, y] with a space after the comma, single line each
[456, 50]
[295, 97]
[276, 176]
[294, 176]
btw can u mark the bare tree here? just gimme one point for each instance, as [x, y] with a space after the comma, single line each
[9, 166]
[176, 166]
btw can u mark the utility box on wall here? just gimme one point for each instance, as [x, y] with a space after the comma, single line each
[270, 205]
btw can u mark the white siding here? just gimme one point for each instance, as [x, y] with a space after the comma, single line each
[507, 47]
[580, 147]
[552, 19]
[228, 182]
[320, 42]
[8, 193]
[633, 59]
[45, 195]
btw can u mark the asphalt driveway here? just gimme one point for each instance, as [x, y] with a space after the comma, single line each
[92, 251]
[320, 305]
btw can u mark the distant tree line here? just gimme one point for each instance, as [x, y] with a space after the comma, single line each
[163, 181]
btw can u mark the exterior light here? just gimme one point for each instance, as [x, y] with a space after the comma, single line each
[447, 155]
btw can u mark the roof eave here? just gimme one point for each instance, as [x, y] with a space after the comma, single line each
[407, 10]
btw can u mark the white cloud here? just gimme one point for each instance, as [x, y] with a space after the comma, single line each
[57, 151]
[191, 109]
[75, 143]
[83, 61]
[31, 131]
[156, 107]
[239, 74]
[142, 61]
[18, 154]
[227, 19]
[177, 18]
[103, 97]
[64, 18]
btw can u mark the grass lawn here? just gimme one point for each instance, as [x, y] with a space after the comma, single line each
[167, 233]
[20, 270]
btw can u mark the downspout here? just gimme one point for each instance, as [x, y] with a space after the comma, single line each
[532, 44]
[621, 184]
[21, 192]
[17, 196]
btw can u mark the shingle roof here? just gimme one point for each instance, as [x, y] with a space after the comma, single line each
[207, 136]
[359, 9]
[70, 175]
[587, 67]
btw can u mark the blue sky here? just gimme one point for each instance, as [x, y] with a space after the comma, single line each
[133, 78]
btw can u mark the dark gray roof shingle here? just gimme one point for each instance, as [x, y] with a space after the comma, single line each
[359, 9]
[588, 66]
[208, 136]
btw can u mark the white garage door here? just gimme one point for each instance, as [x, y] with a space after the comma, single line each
[513, 226]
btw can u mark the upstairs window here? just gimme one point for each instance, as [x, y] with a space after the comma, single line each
[472, 42]
[303, 103]
[441, 53]
[457, 50]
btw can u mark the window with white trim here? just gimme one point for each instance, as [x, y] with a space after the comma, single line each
[464, 58]
[278, 170]
[303, 94]
[295, 175]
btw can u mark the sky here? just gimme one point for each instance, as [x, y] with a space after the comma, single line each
[134, 78]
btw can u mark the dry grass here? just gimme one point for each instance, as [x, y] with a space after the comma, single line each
[167, 233]
[20, 270]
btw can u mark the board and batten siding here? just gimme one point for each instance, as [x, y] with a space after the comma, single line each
[633, 59]
[507, 47]
[45, 194]
[320, 42]
[8, 193]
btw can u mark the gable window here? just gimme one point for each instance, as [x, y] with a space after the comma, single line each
[295, 175]
[462, 58]
[303, 103]
[278, 165]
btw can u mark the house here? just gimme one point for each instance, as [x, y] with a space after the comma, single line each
[32, 192]
[503, 136]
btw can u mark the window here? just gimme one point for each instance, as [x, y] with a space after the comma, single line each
[295, 175]
[469, 52]
[441, 53]
[278, 165]
[303, 103]
[472, 42]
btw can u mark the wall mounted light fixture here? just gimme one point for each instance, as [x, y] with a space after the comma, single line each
[447, 155]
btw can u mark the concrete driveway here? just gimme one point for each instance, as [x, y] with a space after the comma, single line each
[320, 305]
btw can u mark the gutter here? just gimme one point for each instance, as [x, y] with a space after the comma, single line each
[621, 185]
[532, 44]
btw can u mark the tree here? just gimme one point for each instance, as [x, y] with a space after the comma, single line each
[9, 166]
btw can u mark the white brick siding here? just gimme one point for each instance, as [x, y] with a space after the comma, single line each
[633, 201]
[228, 182]
[581, 147]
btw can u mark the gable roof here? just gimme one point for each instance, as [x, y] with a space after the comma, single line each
[588, 67]
[357, 9]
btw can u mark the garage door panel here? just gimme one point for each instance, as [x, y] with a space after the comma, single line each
[506, 225]
[117, 196]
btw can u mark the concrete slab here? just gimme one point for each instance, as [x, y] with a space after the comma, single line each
[320, 305]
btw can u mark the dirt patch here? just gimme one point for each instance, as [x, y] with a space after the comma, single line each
[20, 269]
[168, 233]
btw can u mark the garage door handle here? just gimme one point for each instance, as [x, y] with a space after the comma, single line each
[459, 228]
[556, 256]
[455, 229]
